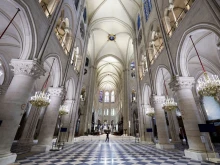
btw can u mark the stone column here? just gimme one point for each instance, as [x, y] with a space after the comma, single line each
[162, 130]
[183, 87]
[14, 102]
[73, 120]
[126, 101]
[66, 119]
[173, 126]
[90, 99]
[30, 127]
[82, 118]
[49, 121]
[40, 120]
[147, 124]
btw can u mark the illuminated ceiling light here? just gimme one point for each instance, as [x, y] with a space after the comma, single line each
[42, 98]
[208, 86]
[169, 103]
[150, 112]
[63, 110]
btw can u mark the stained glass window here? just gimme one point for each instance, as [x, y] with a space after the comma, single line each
[138, 22]
[113, 112]
[84, 15]
[76, 3]
[106, 97]
[113, 97]
[101, 96]
[147, 8]
[132, 66]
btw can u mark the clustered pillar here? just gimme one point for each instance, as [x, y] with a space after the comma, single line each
[162, 130]
[66, 120]
[173, 126]
[147, 124]
[186, 102]
[30, 127]
[14, 102]
[49, 121]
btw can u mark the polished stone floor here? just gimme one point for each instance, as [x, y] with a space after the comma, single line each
[117, 151]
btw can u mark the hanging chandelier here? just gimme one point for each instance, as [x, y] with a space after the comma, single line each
[63, 110]
[150, 112]
[207, 85]
[40, 99]
[169, 103]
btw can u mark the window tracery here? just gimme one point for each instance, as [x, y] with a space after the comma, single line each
[82, 30]
[100, 96]
[84, 15]
[106, 97]
[113, 112]
[147, 8]
[138, 22]
[113, 97]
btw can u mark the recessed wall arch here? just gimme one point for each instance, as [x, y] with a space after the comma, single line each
[70, 89]
[159, 82]
[56, 70]
[21, 29]
[146, 94]
[181, 57]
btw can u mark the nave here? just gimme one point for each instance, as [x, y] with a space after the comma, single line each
[119, 150]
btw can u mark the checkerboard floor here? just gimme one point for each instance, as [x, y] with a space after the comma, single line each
[115, 152]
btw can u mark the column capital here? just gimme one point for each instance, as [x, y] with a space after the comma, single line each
[158, 99]
[27, 67]
[182, 83]
[56, 92]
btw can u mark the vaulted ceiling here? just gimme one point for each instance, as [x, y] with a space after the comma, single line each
[116, 17]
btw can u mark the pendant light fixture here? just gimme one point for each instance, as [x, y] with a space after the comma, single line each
[42, 98]
[64, 108]
[150, 112]
[207, 85]
[169, 103]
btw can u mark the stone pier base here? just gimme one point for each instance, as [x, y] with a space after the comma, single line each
[165, 146]
[41, 148]
[201, 156]
[7, 159]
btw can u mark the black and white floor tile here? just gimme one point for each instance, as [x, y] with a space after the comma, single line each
[115, 152]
